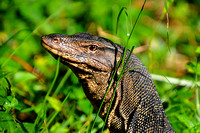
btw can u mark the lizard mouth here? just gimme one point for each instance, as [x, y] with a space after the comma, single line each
[68, 58]
[57, 53]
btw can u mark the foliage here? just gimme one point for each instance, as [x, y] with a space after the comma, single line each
[30, 102]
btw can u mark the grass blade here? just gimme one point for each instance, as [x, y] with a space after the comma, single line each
[118, 17]
[123, 60]
[197, 90]
[106, 93]
[136, 21]
[43, 110]
[167, 16]
[55, 114]
[67, 74]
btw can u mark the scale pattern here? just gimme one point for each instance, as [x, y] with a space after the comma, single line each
[141, 106]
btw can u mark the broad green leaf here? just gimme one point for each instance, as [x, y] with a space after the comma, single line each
[198, 50]
[23, 76]
[12, 102]
[24, 128]
[85, 105]
[74, 79]
[55, 103]
[187, 121]
[3, 95]
[2, 73]
[7, 121]
[58, 127]
[191, 67]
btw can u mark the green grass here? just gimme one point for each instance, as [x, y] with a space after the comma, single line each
[34, 99]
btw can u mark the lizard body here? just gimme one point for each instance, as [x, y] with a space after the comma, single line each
[136, 106]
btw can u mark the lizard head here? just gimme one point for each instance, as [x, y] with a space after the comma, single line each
[93, 59]
[82, 50]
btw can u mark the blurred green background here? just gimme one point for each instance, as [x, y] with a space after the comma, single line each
[27, 70]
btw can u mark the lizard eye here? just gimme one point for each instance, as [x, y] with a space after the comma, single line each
[92, 47]
[55, 40]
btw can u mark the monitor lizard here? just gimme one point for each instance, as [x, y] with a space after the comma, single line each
[136, 106]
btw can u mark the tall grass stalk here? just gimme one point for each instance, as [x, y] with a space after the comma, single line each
[123, 60]
[197, 90]
[54, 114]
[165, 12]
[106, 93]
[31, 33]
[167, 16]
[120, 76]
[12, 37]
[120, 63]
[62, 82]
[43, 108]
[118, 17]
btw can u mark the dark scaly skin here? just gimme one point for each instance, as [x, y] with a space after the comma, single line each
[136, 106]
